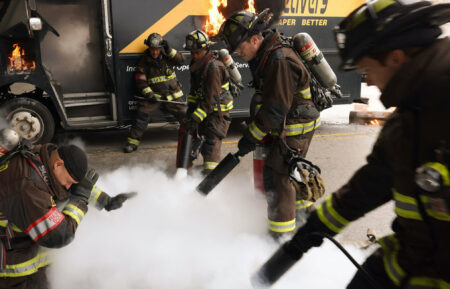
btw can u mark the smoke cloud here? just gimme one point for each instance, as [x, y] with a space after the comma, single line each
[170, 236]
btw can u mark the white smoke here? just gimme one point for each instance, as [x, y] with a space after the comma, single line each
[170, 236]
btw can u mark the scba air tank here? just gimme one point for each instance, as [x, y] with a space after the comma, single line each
[9, 140]
[226, 58]
[308, 50]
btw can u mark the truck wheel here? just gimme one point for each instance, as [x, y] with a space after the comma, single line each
[30, 119]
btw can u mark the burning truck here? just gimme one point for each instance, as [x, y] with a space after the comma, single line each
[77, 58]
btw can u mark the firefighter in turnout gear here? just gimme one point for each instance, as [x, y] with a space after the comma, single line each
[286, 118]
[397, 46]
[43, 198]
[209, 99]
[157, 85]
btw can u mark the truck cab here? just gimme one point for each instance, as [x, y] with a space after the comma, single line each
[69, 65]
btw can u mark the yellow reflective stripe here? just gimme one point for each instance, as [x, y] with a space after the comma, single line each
[161, 78]
[174, 95]
[428, 283]
[302, 128]
[256, 132]
[302, 204]
[95, 194]
[390, 248]
[146, 90]
[4, 166]
[192, 98]
[305, 93]
[74, 212]
[133, 141]
[200, 113]
[14, 227]
[406, 206]
[172, 53]
[436, 208]
[210, 165]
[282, 227]
[226, 86]
[330, 217]
[361, 15]
[26, 268]
[225, 107]
[442, 169]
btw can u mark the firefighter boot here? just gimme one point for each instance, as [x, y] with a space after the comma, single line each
[131, 146]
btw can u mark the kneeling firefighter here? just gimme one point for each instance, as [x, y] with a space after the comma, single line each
[157, 85]
[209, 100]
[286, 118]
[44, 196]
[398, 46]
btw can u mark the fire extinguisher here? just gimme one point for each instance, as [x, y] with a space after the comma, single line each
[259, 159]
[9, 140]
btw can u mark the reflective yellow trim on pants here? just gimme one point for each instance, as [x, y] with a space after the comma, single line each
[133, 141]
[256, 132]
[200, 113]
[209, 165]
[282, 227]
[423, 282]
[330, 217]
[26, 268]
[391, 246]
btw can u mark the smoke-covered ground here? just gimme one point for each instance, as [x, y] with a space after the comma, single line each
[170, 236]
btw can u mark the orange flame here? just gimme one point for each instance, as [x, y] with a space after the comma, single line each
[17, 50]
[251, 6]
[374, 122]
[215, 18]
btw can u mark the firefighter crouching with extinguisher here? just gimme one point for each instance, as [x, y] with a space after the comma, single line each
[286, 119]
[209, 99]
[397, 46]
[44, 195]
[157, 85]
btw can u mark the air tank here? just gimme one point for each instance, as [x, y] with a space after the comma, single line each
[226, 58]
[9, 140]
[308, 50]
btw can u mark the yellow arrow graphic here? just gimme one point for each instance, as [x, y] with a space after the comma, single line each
[168, 22]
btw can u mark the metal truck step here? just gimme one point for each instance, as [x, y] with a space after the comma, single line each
[86, 99]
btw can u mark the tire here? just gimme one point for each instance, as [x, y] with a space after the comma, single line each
[17, 112]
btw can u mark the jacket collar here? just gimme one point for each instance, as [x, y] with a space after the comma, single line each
[195, 65]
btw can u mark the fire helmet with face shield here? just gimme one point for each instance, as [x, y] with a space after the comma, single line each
[196, 40]
[154, 40]
[384, 25]
[242, 25]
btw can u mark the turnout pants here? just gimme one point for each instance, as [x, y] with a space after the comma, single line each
[214, 128]
[37, 280]
[286, 209]
[143, 115]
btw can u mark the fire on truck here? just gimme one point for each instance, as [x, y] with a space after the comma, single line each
[78, 57]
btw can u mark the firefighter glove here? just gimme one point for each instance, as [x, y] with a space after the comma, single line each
[307, 236]
[82, 190]
[246, 145]
[116, 202]
[166, 46]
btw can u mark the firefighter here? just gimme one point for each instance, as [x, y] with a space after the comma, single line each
[43, 198]
[397, 46]
[287, 117]
[209, 99]
[157, 85]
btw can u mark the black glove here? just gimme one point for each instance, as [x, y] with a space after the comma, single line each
[82, 190]
[191, 125]
[166, 46]
[116, 202]
[307, 236]
[150, 97]
[246, 145]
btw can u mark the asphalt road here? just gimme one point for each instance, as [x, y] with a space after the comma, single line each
[339, 150]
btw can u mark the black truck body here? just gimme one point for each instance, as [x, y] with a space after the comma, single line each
[78, 57]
